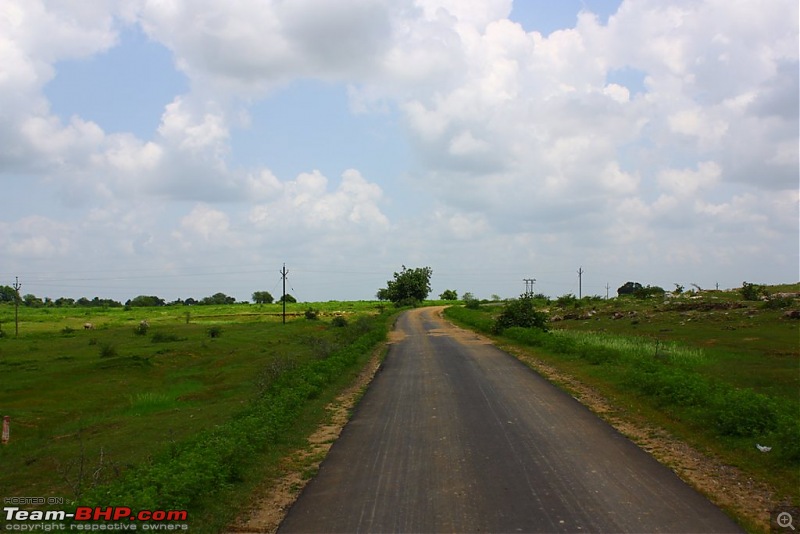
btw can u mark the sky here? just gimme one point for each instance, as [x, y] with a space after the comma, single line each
[181, 148]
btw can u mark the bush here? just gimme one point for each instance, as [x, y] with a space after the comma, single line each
[141, 328]
[215, 331]
[567, 300]
[648, 291]
[778, 303]
[787, 439]
[520, 312]
[752, 291]
[108, 351]
[339, 321]
[471, 302]
[311, 314]
[165, 337]
[744, 413]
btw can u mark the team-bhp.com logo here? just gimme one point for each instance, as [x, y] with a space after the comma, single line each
[95, 518]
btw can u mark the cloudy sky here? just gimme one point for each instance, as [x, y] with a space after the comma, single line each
[181, 148]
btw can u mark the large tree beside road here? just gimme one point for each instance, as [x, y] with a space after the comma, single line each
[409, 287]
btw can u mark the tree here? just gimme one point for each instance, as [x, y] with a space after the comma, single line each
[449, 294]
[409, 287]
[145, 301]
[32, 301]
[218, 298]
[289, 299]
[629, 288]
[263, 297]
[7, 294]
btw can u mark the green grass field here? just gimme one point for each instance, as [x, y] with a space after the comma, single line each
[715, 370]
[98, 413]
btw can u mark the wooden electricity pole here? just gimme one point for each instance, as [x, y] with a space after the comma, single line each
[17, 287]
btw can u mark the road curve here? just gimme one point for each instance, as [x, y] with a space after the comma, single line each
[454, 435]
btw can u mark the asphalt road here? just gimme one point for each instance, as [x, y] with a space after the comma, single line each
[454, 435]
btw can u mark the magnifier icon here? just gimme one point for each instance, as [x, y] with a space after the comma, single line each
[785, 520]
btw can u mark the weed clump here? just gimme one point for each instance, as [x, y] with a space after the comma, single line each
[165, 337]
[107, 350]
[215, 332]
[339, 321]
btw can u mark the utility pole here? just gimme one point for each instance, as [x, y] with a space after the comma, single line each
[17, 286]
[607, 288]
[529, 283]
[580, 281]
[284, 272]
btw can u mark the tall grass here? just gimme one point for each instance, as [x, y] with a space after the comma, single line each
[635, 348]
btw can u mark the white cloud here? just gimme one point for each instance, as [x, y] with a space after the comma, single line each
[206, 223]
[36, 237]
[306, 204]
[688, 182]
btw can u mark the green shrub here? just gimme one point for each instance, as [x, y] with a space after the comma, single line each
[739, 412]
[567, 300]
[648, 291]
[752, 291]
[339, 321]
[520, 312]
[141, 328]
[528, 336]
[107, 350]
[778, 303]
[165, 337]
[471, 303]
[786, 439]
[215, 331]
[311, 314]
[597, 355]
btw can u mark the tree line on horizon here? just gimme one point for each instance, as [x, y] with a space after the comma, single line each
[9, 295]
